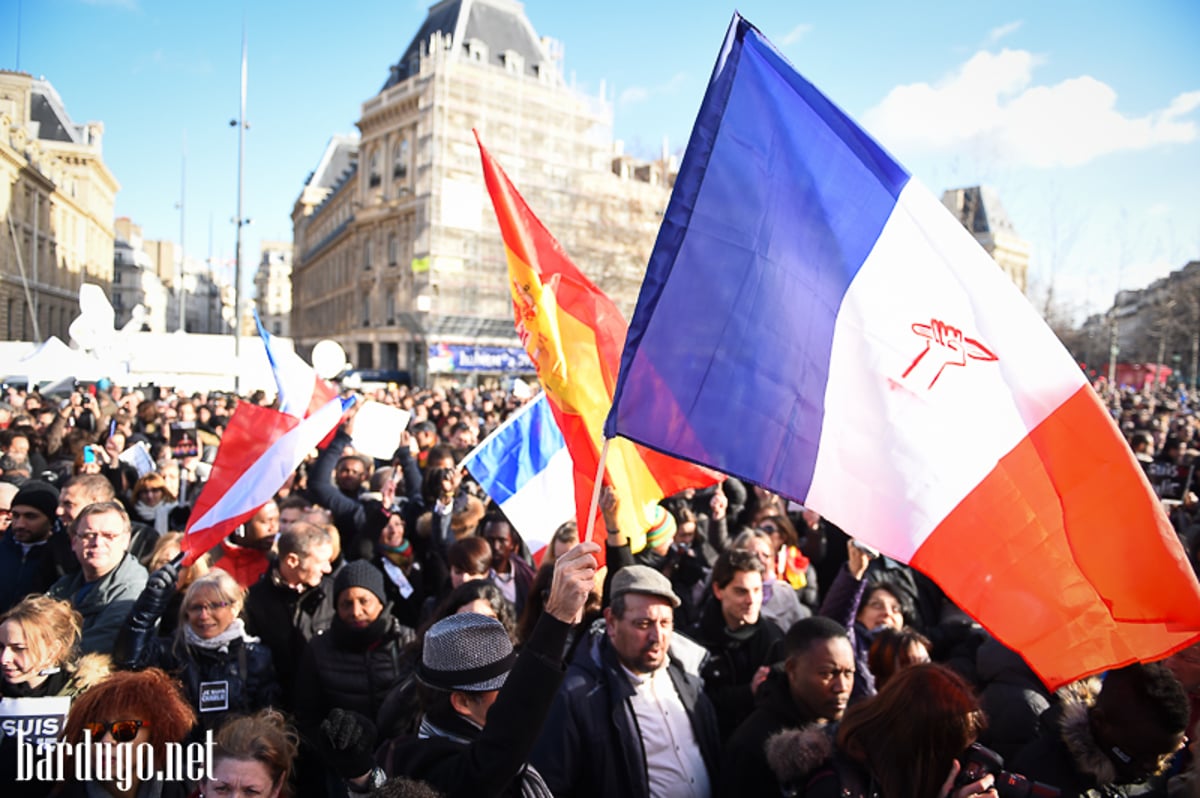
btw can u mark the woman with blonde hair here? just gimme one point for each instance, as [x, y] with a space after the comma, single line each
[223, 669]
[40, 663]
[254, 753]
[152, 501]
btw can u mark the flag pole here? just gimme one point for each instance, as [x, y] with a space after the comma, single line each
[591, 519]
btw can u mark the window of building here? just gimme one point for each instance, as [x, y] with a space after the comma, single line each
[366, 310]
[367, 254]
[393, 249]
[391, 307]
[375, 178]
[400, 160]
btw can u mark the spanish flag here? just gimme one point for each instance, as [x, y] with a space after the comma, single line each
[574, 334]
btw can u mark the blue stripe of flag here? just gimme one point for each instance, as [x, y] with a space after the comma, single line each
[779, 201]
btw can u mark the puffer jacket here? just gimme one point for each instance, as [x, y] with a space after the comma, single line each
[351, 670]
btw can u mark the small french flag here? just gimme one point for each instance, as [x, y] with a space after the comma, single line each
[525, 467]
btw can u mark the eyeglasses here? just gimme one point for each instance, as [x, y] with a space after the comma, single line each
[91, 537]
[211, 606]
[122, 731]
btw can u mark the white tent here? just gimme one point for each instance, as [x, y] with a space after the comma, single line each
[54, 361]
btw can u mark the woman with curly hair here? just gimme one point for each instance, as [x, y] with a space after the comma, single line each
[136, 709]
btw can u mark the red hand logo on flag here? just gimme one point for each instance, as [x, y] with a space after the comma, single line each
[947, 346]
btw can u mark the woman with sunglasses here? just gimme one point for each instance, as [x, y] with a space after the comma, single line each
[152, 502]
[126, 709]
[40, 664]
[224, 671]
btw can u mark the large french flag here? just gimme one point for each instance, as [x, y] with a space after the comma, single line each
[814, 321]
[260, 449]
[524, 465]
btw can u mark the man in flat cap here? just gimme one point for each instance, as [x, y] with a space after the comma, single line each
[483, 704]
[631, 719]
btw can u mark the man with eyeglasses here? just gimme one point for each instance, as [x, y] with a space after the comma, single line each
[33, 553]
[110, 579]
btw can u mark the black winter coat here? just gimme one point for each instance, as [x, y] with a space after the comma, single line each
[218, 684]
[733, 659]
[744, 768]
[286, 620]
[350, 670]
[491, 761]
[590, 746]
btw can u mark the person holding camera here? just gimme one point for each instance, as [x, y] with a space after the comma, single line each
[912, 740]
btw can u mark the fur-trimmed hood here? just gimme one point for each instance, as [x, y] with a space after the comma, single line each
[795, 754]
[89, 671]
[1076, 733]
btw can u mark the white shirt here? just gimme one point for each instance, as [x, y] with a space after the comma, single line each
[673, 761]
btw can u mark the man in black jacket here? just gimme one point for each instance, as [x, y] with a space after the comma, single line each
[739, 640]
[484, 706]
[1115, 746]
[631, 719]
[813, 686]
[293, 601]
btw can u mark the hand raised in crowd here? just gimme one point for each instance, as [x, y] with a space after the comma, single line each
[719, 503]
[857, 560]
[609, 505]
[574, 578]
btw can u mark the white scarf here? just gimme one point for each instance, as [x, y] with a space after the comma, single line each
[234, 631]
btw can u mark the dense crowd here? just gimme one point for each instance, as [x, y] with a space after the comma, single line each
[379, 627]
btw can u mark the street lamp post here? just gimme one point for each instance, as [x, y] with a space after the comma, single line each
[241, 222]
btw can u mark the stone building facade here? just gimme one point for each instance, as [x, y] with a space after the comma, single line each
[57, 199]
[397, 254]
[979, 210]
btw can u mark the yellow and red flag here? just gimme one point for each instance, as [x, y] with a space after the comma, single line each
[574, 334]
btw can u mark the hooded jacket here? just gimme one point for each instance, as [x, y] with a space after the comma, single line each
[744, 767]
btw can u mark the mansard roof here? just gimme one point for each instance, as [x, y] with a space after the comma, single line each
[979, 210]
[47, 110]
[501, 25]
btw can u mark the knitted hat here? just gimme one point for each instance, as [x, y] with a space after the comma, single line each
[468, 652]
[41, 496]
[360, 573]
[642, 579]
[663, 527]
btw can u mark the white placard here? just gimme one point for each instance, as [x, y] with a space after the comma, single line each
[377, 429]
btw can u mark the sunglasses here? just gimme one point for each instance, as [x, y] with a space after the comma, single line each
[122, 731]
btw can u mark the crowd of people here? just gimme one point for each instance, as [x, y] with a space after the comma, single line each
[380, 627]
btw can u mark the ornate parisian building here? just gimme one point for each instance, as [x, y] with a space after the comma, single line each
[397, 254]
[57, 199]
[980, 211]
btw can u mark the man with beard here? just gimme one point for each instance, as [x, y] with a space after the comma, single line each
[630, 719]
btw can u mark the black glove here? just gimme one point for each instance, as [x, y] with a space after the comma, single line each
[160, 587]
[348, 740]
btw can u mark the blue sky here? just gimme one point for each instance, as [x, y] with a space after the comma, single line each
[1085, 116]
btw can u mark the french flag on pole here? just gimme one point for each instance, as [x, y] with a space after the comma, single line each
[261, 448]
[300, 390]
[525, 467]
[813, 320]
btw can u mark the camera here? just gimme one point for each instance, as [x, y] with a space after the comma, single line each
[977, 761]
